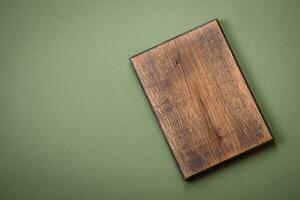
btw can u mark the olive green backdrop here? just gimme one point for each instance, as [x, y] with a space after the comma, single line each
[75, 124]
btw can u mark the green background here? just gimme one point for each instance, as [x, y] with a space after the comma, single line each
[75, 124]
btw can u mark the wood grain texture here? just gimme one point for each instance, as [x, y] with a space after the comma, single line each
[200, 98]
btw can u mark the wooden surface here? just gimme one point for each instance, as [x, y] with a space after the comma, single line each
[200, 98]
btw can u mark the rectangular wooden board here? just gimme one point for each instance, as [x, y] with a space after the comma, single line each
[200, 98]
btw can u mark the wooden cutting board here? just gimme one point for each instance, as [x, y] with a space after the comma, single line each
[200, 98]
